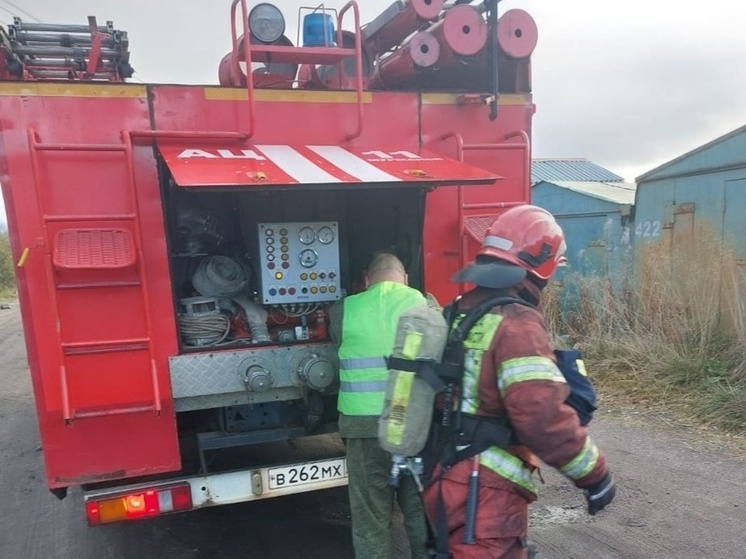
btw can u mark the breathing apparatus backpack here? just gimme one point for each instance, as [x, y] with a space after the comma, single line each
[412, 385]
[428, 359]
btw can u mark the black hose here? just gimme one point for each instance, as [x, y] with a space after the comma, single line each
[494, 55]
[472, 501]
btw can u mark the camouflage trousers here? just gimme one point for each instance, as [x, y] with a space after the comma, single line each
[372, 503]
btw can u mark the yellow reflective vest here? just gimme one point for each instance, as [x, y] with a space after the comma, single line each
[368, 332]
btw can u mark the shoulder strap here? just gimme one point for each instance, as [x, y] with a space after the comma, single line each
[473, 315]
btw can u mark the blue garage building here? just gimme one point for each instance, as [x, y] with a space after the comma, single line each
[704, 189]
[594, 207]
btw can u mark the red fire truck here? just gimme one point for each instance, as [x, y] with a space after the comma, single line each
[178, 247]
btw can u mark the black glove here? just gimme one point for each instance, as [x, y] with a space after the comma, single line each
[601, 494]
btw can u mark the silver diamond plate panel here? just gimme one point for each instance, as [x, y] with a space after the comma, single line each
[219, 376]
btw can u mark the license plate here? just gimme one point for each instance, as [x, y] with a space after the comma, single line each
[308, 473]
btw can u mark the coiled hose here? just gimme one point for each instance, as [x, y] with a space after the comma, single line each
[224, 278]
[219, 276]
[204, 330]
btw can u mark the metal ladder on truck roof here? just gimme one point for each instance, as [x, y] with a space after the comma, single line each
[47, 51]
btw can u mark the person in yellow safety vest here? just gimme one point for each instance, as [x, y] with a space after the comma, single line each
[364, 325]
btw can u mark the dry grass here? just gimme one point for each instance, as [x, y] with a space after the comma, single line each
[8, 294]
[678, 341]
[7, 278]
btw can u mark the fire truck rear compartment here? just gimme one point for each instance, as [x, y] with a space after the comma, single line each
[236, 391]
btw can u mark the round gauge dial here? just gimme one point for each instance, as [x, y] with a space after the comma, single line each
[326, 235]
[308, 258]
[306, 235]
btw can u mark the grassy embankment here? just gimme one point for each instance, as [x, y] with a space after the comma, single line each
[674, 342]
[7, 279]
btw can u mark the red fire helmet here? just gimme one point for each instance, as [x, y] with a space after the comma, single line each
[524, 240]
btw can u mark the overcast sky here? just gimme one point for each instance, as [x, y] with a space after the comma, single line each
[628, 85]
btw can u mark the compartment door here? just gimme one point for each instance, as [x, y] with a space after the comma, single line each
[328, 166]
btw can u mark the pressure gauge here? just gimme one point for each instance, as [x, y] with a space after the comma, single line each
[307, 235]
[308, 258]
[326, 235]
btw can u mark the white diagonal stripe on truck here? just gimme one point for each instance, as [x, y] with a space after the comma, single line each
[296, 165]
[352, 164]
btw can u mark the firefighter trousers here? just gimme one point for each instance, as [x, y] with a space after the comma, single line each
[372, 502]
[501, 527]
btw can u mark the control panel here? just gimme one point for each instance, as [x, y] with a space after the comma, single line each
[299, 262]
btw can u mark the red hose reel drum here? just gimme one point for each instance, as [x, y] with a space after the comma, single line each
[390, 29]
[406, 63]
[517, 34]
[273, 75]
[462, 33]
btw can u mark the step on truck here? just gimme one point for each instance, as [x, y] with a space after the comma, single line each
[178, 247]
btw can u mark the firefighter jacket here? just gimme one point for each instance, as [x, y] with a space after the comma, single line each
[367, 332]
[510, 371]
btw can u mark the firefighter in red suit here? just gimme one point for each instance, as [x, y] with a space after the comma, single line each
[510, 372]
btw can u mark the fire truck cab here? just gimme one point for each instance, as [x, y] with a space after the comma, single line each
[178, 247]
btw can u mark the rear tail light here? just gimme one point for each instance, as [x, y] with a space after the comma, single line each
[141, 504]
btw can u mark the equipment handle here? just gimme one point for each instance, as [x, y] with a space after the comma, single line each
[472, 502]
[24, 257]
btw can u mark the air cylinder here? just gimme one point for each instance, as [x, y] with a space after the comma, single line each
[410, 399]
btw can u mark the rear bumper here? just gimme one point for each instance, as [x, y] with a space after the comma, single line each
[251, 484]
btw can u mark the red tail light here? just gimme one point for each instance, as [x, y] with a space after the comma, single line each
[142, 504]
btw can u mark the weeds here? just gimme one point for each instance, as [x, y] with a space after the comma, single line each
[677, 339]
[7, 278]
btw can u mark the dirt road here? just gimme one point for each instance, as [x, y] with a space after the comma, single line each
[682, 495]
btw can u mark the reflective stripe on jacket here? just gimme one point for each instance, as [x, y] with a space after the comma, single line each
[497, 459]
[369, 325]
[510, 372]
[525, 369]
